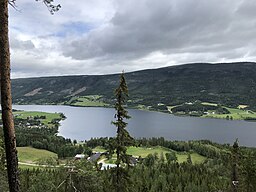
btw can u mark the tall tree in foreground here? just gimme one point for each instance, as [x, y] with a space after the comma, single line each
[123, 138]
[6, 98]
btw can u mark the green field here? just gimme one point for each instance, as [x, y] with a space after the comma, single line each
[32, 155]
[88, 101]
[27, 114]
[196, 158]
[99, 149]
[144, 152]
[239, 113]
[181, 156]
[35, 166]
[235, 113]
[207, 103]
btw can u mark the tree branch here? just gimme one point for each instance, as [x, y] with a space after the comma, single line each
[48, 3]
[52, 8]
[13, 4]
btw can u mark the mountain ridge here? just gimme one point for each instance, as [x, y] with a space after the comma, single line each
[225, 83]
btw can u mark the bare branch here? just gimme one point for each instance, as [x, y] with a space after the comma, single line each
[13, 4]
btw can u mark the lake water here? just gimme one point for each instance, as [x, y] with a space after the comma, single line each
[82, 123]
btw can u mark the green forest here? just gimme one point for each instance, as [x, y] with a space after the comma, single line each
[47, 162]
[227, 84]
[155, 172]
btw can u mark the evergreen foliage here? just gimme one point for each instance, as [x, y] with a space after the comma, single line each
[235, 158]
[248, 175]
[228, 84]
[120, 177]
[153, 173]
[80, 176]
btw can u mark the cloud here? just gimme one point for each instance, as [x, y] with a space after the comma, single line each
[99, 37]
[140, 28]
[24, 45]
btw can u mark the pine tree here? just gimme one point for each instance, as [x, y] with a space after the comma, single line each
[123, 137]
[6, 100]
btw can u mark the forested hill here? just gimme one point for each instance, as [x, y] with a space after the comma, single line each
[229, 84]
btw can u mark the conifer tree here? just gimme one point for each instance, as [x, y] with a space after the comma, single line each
[123, 137]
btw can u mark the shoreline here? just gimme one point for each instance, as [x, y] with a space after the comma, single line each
[154, 110]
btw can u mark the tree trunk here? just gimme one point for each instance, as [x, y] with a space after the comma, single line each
[6, 100]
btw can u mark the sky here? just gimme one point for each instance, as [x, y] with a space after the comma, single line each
[108, 36]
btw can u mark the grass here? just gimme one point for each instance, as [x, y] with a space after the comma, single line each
[144, 152]
[31, 167]
[26, 114]
[207, 103]
[89, 101]
[181, 156]
[239, 113]
[196, 158]
[32, 155]
[236, 114]
[99, 149]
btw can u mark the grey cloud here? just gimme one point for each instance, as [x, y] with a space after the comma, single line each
[139, 28]
[137, 35]
[24, 45]
[247, 9]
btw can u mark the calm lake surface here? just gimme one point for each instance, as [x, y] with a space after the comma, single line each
[82, 123]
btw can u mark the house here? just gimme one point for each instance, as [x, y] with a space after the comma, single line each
[79, 156]
[107, 166]
[133, 161]
[95, 157]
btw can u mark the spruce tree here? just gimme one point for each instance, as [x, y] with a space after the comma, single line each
[123, 138]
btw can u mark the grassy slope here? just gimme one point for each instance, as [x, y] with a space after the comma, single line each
[99, 149]
[31, 167]
[144, 152]
[25, 114]
[236, 114]
[31, 155]
[87, 101]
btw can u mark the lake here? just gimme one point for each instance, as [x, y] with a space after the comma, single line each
[82, 123]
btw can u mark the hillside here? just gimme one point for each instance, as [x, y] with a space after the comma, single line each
[230, 84]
